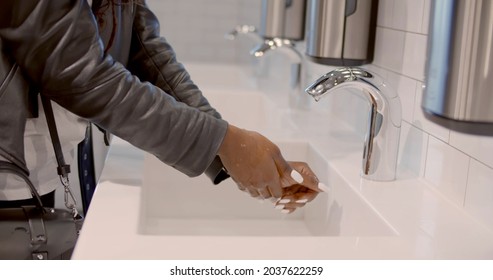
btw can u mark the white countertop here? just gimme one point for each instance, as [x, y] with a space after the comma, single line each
[427, 225]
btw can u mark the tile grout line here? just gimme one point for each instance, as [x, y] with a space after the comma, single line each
[467, 183]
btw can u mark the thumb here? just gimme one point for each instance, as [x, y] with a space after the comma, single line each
[304, 175]
[286, 173]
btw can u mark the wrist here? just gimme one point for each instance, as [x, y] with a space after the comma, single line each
[228, 140]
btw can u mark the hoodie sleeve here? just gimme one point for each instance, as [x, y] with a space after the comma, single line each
[57, 46]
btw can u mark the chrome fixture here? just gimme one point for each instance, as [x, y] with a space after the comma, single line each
[341, 33]
[285, 45]
[282, 24]
[243, 30]
[382, 137]
[459, 66]
[283, 19]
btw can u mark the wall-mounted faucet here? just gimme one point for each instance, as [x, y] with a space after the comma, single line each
[285, 45]
[249, 30]
[288, 48]
[383, 132]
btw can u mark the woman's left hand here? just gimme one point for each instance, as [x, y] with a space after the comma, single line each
[298, 195]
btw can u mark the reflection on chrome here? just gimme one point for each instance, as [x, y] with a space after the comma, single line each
[383, 132]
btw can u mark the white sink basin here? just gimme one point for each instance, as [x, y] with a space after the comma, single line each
[173, 204]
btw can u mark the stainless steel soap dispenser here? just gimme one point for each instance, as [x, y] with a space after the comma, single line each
[283, 19]
[459, 66]
[341, 32]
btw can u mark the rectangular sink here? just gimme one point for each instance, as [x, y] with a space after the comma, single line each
[173, 204]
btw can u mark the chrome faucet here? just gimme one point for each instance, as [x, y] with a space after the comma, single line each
[287, 47]
[383, 132]
[243, 29]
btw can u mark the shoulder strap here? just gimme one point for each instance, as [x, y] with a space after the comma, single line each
[63, 169]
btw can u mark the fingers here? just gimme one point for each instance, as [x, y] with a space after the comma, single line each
[264, 193]
[261, 193]
[295, 197]
[258, 167]
[275, 188]
[284, 170]
[310, 180]
[290, 207]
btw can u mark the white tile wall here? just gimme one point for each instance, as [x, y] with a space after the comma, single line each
[413, 147]
[446, 168]
[420, 121]
[389, 49]
[457, 165]
[478, 147]
[479, 194]
[414, 56]
[407, 15]
[196, 29]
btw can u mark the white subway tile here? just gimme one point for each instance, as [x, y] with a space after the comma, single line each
[426, 16]
[412, 149]
[389, 49]
[382, 73]
[420, 121]
[408, 15]
[385, 8]
[446, 169]
[479, 194]
[414, 56]
[406, 88]
[478, 147]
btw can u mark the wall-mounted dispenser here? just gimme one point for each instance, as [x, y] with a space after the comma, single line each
[283, 19]
[341, 32]
[459, 69]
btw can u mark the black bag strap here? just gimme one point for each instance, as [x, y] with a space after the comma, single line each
[63, 169]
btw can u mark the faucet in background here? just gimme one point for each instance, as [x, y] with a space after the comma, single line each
[244, 30]
[383, 132]
[287, 47]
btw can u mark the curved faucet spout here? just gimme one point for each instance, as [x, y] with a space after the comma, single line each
[243, 29]
[383, 132]
[286, 45]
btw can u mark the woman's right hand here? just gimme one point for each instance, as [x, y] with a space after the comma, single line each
[258, 167]
[255, 163]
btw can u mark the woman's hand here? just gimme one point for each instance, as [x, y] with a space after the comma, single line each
[297, 195]
[258, 167]
[255, 164]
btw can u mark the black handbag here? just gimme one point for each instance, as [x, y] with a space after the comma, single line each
[34, 231]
